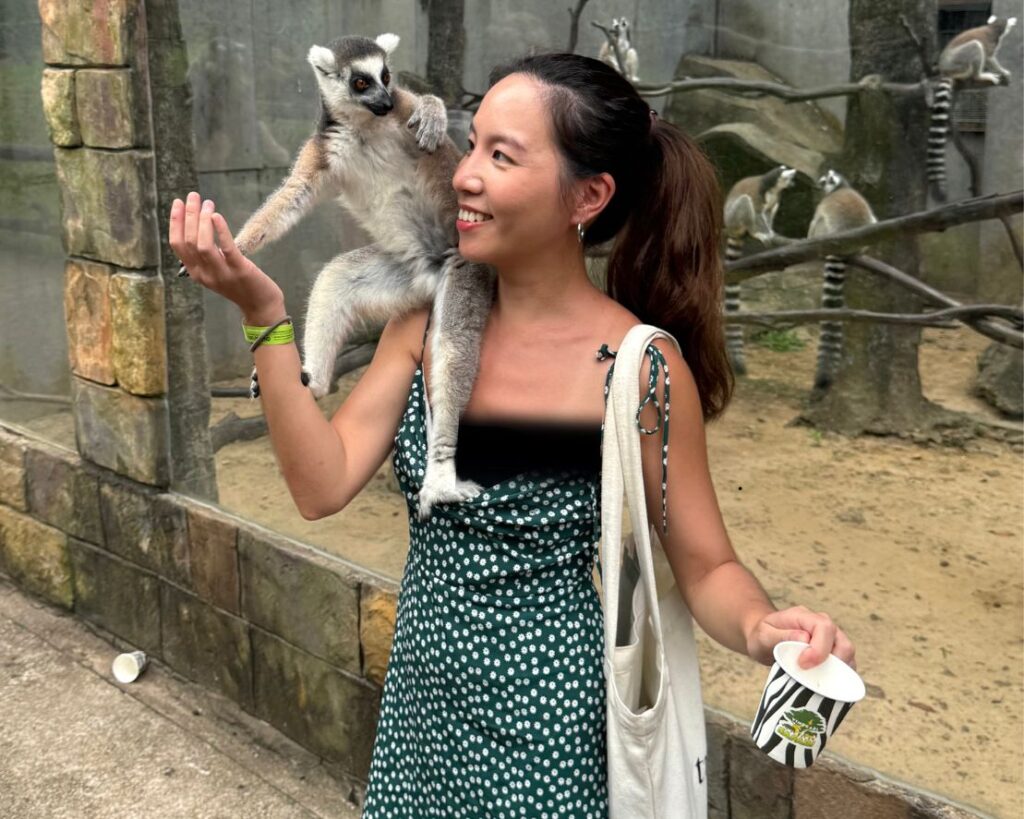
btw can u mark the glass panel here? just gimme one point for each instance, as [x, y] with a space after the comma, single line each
[34, 369]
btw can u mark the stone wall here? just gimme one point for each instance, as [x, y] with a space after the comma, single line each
[139, 388]
[299, 638]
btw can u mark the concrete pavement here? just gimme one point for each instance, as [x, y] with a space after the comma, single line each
[74, 742]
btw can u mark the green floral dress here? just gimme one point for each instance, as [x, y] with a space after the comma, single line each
[494, 697]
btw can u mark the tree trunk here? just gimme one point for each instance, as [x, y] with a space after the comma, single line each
[446, 47]
[877, 388]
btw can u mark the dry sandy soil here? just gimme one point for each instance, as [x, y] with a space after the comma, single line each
[914, 550]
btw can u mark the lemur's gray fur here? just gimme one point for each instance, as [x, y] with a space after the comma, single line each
[620, 28]
[842, 208]
[969, 57]
[750, 209]
[399, 189]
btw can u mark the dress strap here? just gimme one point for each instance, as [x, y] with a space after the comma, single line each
[657, 363]
[425, 328]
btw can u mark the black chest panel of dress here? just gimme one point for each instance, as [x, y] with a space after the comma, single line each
[490, 452]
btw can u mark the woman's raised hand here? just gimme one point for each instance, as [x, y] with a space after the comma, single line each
[224, 269]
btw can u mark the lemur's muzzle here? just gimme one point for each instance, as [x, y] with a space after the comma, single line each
[380, 104]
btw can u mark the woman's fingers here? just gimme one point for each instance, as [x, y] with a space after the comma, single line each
[208, 251]
[844, 650]
[192, 203]
[822, 640]
[232, 255]
[176, 234]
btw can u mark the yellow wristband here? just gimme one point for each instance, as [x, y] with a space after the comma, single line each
[279, 335]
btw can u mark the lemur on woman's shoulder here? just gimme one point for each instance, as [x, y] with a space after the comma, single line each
[398, 187]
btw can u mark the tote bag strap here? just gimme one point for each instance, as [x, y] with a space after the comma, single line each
[622, 470]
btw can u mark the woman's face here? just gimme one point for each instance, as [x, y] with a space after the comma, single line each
[510, 173]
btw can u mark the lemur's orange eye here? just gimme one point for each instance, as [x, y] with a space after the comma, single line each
[385, 77]
[360, 84]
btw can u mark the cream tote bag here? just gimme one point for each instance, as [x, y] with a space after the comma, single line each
[656, 740]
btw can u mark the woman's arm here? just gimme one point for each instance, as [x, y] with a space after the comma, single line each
[324, 463]
[724, 597]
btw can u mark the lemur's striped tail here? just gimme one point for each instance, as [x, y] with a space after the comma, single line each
[830, 340]
[734, 332]
[937, 132]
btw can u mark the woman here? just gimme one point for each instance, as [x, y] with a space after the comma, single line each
[494, 695]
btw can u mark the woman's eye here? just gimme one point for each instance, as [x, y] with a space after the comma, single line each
[469, 149]
[498, 153]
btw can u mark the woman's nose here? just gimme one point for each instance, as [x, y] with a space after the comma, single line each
[464, 178]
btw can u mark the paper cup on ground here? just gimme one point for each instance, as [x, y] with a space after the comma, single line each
[802, 707]
[127, 667]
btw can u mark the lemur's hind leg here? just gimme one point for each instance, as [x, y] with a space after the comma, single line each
[362, 284]
[461, 308]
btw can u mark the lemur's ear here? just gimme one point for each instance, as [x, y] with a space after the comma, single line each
[322, 59]
[992, 19]
[387, 42]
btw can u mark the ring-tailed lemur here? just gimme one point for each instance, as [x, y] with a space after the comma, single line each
[968, 57]
[842, 208]
[750, 209]
[620, 28]
[399, 189]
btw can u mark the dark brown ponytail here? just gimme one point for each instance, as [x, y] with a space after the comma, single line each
[665, 215]
[665, 264]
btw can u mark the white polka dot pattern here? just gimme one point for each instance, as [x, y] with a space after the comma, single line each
[494, 697]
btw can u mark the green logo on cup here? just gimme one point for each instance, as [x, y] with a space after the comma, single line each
[800, 726]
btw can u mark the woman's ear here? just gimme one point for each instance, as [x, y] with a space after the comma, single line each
[592, 194]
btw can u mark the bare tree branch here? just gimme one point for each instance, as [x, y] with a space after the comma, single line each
[851, 241]
[762, 87]
[997, 332]
[1011, 235]
[352, 358]
[231, 428]
[574, 25]
[939, 318]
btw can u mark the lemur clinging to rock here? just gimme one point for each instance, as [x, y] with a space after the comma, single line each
[750, 208]
[842, 208]
[620, 28]
[969, 57]
[398, 187]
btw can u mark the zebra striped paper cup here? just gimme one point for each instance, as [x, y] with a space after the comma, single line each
[802, 707]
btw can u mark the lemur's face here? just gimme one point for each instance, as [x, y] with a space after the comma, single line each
[830, 181]
[509, 178]
[364, 81]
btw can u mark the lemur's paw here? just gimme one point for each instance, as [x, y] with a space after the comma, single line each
[430, 119]
[438, 492]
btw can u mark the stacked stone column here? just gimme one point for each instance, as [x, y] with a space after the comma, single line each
[140, 391]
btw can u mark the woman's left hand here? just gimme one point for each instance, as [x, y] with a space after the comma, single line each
[800, 623]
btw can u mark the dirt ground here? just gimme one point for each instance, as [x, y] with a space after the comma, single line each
[914, 550]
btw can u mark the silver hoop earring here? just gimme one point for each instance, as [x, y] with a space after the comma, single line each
[579, 231]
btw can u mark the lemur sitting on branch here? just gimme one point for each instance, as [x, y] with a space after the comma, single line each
[620, 28]
[750, 208]
[842, 208]
[969, 57]
[398, 188]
